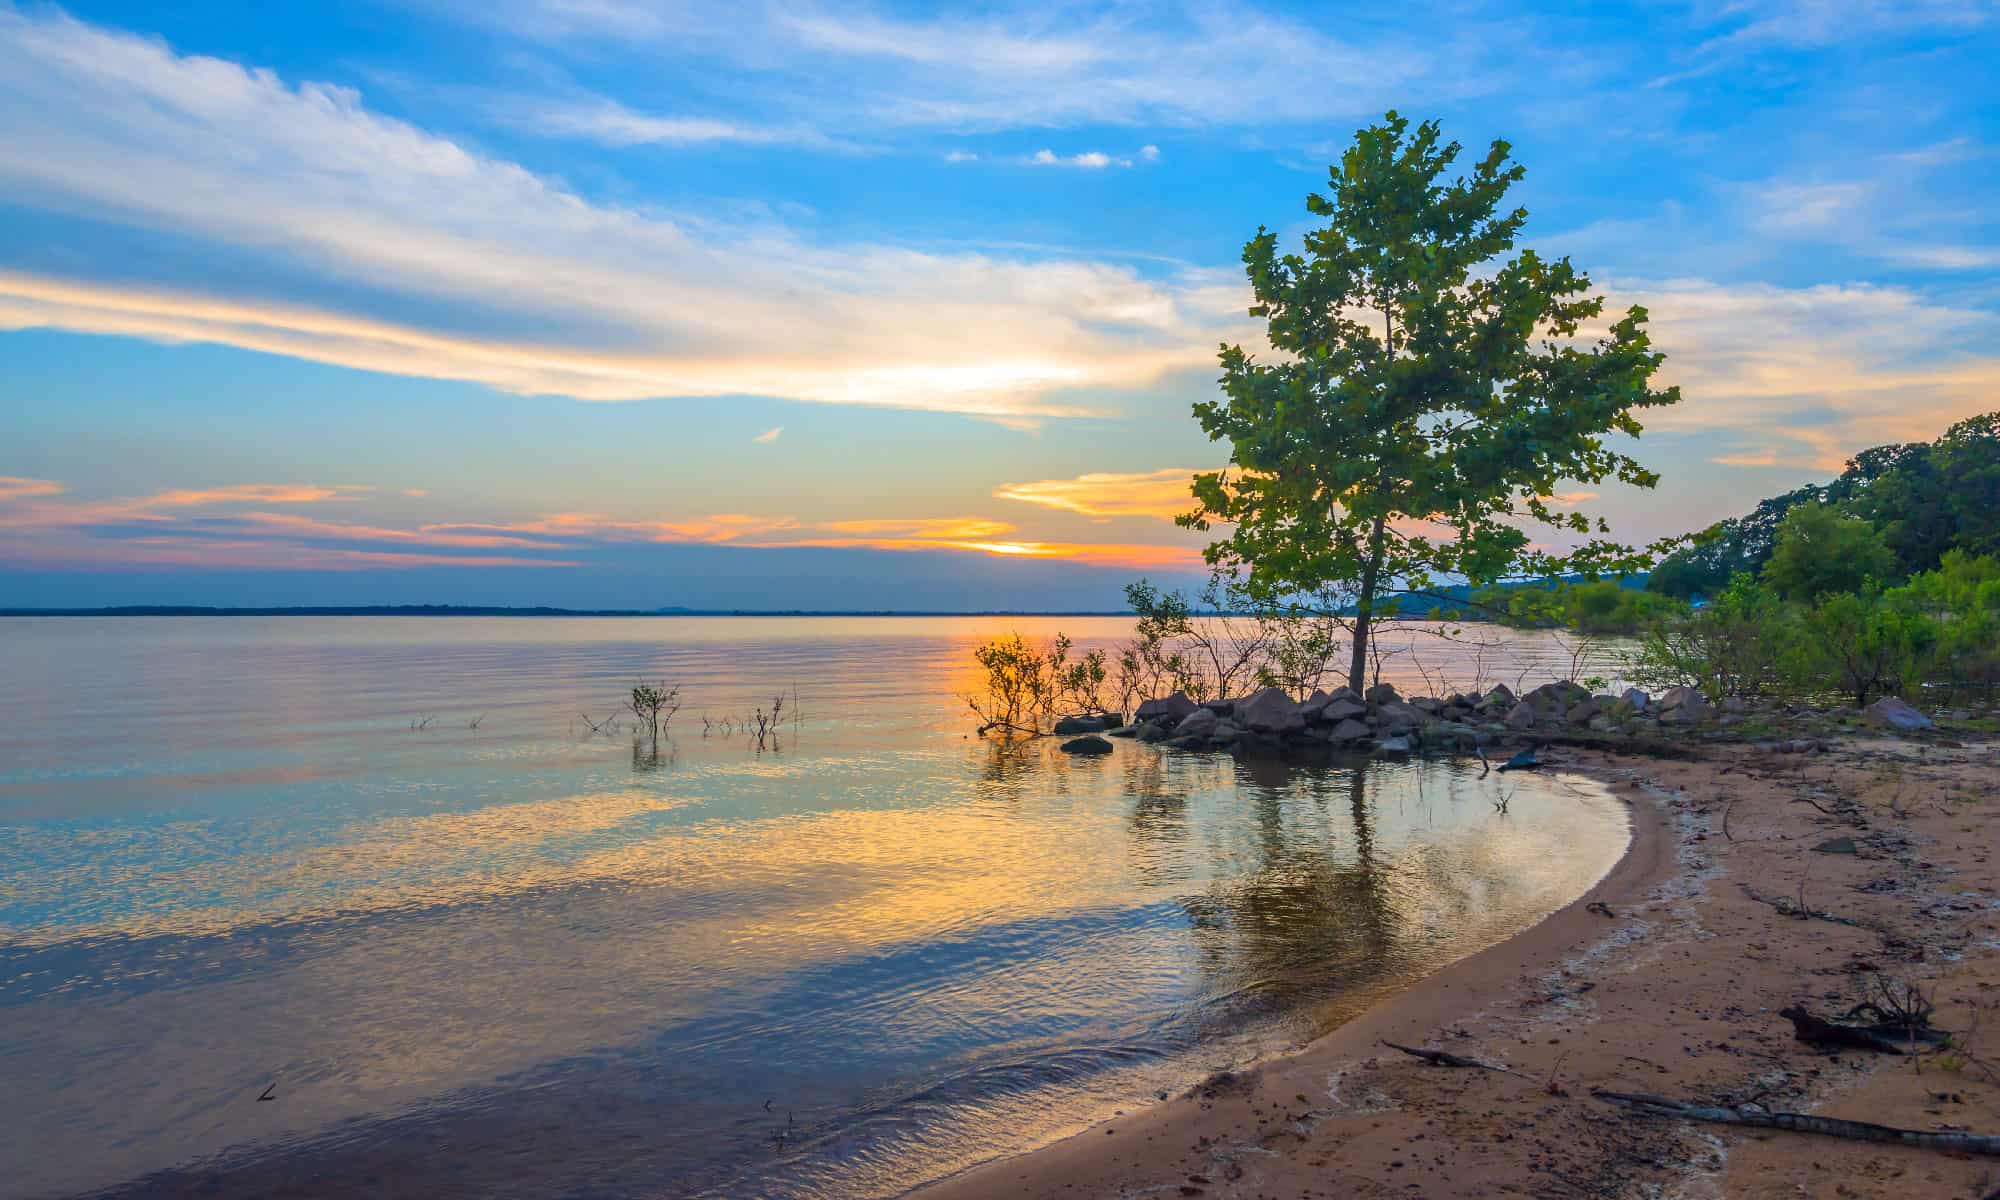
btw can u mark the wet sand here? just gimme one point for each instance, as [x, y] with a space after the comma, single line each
[1675, 992]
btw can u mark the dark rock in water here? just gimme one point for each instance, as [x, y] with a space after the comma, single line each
[1342, 708]
[1070, 726]
[1351, 730]
[1226, 731]
[1256, 745]
[1123, 731]
[1892, 713]
[1200, 723]
[1382, 693]
[1220, 708]
[1167, 710]
[1091, 744]
[1524, 761]
[1153, 733]
[1398, 746]
[1187, 743]
[1395, 715]
[1839, 845]
[1270, 711]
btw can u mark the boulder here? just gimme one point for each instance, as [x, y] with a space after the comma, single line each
[1312, 706]
[1427, 704]
[1582, 713]
[1891, 712]
[1398, 746]
[1397, 716]
[1342, 709]
[1500, 694]
[1343, 692]
[1685, 706]
[1071, 726]
[1089, 744]
[1638, 699]
[1521, 716]
[1200, 723]
[1601, 724]
[1270, 711]
[1226, 731]
[1150, 732]
[1123, 731]
[1220, 708]
[1351, 730]
[1382, 693]
[1559, 696]
[1168, 710]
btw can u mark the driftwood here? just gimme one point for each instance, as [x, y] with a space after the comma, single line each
[1441, 1058]
[1884, 1036]
[1860, 1131]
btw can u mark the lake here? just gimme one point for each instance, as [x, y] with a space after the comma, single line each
[316, 906]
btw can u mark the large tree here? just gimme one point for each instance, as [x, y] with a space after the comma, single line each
[1430, 393]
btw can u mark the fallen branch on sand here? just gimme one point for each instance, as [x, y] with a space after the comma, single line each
[1440, 1058]
[1791, 908]
[1882, 1036]
[1860, 1131]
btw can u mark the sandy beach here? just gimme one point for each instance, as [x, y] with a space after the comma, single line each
[1667, 978]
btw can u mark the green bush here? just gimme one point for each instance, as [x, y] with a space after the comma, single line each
[1820, 552]
[1742, 643]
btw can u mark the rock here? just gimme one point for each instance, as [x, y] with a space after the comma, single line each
[1153, 733]
[1187, 743]
[1685, 706]
[1395, 717]
[1351, 730]
[1382, 693]
[1734, 705]
[1839, 845]
[1559, 696]
[1582, 713]
[1427, 704]
[1270, 711]
[1637, 698]
[1890, 712]
[1601, 724]
[1256, 745]
[1200, 723]
[1226, 731]
[1168, 710]
[1312, 706]
[1342, 709]
[1123, 731]
[1071, 726]
[1398, 746]
[1521, 716]
[1499, 695]
[1090, 744]
[1220, 708]
[1523, 760]
[1343, 692]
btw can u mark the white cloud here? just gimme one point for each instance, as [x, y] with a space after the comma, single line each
[515, 282]
[769, 435]
[1089, 160]
[961, 156]
[613, 124]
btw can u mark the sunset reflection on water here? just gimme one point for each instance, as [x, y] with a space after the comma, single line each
[583, 967]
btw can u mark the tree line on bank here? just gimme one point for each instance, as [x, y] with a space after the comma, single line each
[1431, 390]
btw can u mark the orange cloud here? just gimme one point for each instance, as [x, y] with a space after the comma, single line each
[15, 487]
[924, 527]
[1163, 493]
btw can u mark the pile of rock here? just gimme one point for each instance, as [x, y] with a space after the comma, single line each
[1381, 721]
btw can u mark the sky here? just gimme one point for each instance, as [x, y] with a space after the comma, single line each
[637, 303]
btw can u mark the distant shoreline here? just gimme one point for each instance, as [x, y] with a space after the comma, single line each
[457, 610]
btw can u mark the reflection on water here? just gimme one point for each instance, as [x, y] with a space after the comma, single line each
[506, 960]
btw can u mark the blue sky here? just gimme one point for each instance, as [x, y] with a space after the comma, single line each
[603, 302]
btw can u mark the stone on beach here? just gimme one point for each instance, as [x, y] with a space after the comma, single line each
[1270, 711]
[1892, 712]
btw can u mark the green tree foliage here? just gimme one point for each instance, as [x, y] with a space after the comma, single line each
[1593, 606]
[1726, 549]
[1820, 552]
[1430, 390]
[1744, 642]
[1927, 498]
[1863, 643]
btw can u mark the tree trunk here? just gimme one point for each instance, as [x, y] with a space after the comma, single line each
[1364, 610]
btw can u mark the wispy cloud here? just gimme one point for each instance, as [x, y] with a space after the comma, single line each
[1089, 160]
[533, 289]
[1164, 493]
[770, 435]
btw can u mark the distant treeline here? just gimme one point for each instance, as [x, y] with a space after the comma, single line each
[1924, 498]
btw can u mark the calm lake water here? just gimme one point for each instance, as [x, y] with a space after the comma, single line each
[492, 954]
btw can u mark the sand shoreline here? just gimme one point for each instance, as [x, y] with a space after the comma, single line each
[1676, 993]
